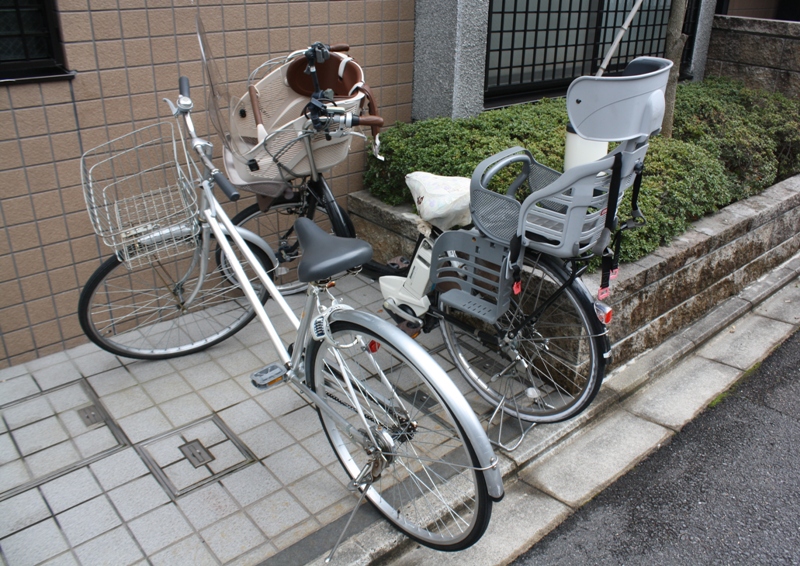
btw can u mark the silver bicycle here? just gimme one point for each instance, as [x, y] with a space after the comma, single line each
[406, 437]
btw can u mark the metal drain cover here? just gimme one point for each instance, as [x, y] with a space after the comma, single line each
[90, 415]
[196, 453]
[51, 434]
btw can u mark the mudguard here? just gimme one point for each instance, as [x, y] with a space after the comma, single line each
[443, 386]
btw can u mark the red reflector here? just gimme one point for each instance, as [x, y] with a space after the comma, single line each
[373, 346]
[603, 312]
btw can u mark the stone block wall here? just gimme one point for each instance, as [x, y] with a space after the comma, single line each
[664, 292]
[763, 53]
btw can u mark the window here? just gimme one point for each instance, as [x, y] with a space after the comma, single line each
[30, 43]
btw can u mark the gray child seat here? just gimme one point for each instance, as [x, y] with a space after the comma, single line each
[565, 213]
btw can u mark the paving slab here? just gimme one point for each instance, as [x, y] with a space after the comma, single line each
[742, 344]
[597, 456]
[291, 501]
[679, 395]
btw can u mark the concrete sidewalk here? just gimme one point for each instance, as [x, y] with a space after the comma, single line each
[91, 470]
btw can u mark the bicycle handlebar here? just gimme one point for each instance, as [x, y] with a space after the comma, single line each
[184, 108]
[183, 86]
[226, 186]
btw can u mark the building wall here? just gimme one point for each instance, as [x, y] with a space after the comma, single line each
[763, 53]
[766, 9]
[128, 55]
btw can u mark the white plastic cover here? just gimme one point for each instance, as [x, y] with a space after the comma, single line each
[442, 201]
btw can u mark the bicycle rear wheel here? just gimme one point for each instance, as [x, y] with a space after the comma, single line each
[554, 367]
[420, 471]
[276, 227]
[142, 312]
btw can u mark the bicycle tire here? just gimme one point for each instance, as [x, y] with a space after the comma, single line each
[276, 227]
[135, 313]
[437, 502]
[562, 351]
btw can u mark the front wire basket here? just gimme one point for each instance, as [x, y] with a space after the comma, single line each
[140, 200]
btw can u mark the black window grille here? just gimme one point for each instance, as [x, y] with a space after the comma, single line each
[30, 43]
[539, 46]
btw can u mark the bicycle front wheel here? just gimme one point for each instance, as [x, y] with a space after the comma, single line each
[553, 368]
[144, 312]
[413, 459]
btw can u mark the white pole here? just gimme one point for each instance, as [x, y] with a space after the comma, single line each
[617, 39]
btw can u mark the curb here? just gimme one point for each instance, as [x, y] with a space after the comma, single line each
[380, 542]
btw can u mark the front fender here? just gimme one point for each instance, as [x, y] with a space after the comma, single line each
[255, 240]
[443, 386]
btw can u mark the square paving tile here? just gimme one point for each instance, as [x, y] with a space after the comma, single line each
[12, 475]
[277, 513]
[320, 490]
[96, 362]
[16, 388]
[204, 375]
[114, 547]
[71, 489]
[138, 497]
[224, 394]
[21, 511]
[111, 381]
[280, 400]
[244, 416]
[160, 528]
[145, 371]
[267, 439]
[190, 550]
[119, 468]
[167, 387]
[52, 459]
[291, 464]
[8, 452]
[250, 484]
[232, 536]
[27, 412]
[127, 402]
[39, 435]
[34, 544]
[88, 520]
[301, 423]
[59, 374]
[183, 410]
[207, 505]
[145, 424]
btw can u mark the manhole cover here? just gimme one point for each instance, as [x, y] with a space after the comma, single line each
[192, 456]
[51, 434]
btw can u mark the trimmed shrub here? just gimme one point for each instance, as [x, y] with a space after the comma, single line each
[729, 143]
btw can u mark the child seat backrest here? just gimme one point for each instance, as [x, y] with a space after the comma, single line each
[564, 215]
[282, 96]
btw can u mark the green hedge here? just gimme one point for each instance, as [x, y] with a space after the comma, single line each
[729, 142]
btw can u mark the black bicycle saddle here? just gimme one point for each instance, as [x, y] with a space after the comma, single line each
[325, 255]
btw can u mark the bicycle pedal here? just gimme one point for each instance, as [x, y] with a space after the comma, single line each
[270, 375]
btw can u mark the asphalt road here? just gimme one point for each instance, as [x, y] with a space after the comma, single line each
[726, 490]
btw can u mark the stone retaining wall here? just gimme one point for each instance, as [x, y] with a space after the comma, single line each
[666, 291]
[763, 53]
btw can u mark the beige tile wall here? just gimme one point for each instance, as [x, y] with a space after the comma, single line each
[128, 55]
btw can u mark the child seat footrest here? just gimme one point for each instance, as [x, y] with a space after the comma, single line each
[472, 275]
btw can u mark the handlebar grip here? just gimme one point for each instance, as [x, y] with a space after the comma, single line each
[183, 86]
[367, 121]
[226, 186]
[339, 47]
[254, 103]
